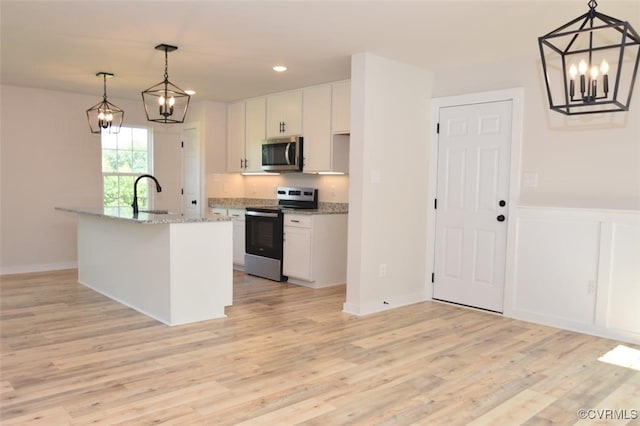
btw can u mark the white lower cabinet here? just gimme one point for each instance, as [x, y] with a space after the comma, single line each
[298, 253]
[315, 249]
[238, 219]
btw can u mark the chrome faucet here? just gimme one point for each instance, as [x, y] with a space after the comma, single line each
[135, 191]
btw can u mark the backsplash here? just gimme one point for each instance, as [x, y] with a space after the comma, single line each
[263, 202]
[332, 189]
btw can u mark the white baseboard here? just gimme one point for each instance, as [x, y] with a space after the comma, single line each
[23, 269]
[383, 305]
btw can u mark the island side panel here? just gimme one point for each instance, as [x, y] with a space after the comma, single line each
[201, 271]
[126, 261]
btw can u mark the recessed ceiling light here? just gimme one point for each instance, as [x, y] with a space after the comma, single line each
[190, 92]
[279, 68]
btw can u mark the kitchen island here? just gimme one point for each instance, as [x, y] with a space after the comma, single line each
[174, 268]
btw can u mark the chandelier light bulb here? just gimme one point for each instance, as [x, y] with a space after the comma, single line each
[594, 72]
[161, 100]
[172, 101]
[582, 67]
[573, 71]
[604, 67]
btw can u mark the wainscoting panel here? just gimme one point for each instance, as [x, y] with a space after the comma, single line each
[577, 269]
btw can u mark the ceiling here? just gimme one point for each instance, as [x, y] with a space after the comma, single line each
[226, 48]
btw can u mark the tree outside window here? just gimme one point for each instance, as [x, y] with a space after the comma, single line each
[125, 156]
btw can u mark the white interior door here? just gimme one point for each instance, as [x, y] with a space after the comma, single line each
[471, 214]
[191, 171]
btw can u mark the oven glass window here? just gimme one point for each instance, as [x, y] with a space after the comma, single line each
[264, 236]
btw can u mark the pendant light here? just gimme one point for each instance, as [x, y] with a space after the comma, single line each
[105, 116]
[590, 64]
[165, 102]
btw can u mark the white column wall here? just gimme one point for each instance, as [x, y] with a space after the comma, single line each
[390, 110]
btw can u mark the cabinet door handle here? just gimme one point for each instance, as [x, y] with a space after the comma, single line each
[284, 126]
[295, 221]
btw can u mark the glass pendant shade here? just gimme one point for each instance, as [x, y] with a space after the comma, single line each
[165, 102]
[105, 116]
[590, 64]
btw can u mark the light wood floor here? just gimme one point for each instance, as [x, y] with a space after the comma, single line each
[289, 355]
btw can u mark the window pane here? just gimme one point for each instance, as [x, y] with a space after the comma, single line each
[125, 184]
[125, 161]
[109, 160]
[109, 140]
[110, 189]
[124, 139]
[139, 139]
[139, 161]
[143, 193]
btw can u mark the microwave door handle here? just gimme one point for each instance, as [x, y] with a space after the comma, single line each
[286, 153]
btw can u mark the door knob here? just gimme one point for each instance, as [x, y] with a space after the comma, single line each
[196, 202]
[500, 218]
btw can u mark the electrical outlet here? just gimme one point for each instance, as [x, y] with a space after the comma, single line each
[383, 270]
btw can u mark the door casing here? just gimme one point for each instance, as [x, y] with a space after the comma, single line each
[516, 95]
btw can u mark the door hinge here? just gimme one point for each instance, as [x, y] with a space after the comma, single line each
[435, 204]
[433, 277]
[438, 128]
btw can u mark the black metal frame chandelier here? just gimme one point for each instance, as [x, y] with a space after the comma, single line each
[105, 116]
[165, 102]
[590, 64]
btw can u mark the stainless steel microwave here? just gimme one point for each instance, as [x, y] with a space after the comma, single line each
[282, 154]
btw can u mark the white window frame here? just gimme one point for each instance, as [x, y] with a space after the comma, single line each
[151, 198]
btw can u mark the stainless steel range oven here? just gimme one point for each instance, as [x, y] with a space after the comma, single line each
[264, 231]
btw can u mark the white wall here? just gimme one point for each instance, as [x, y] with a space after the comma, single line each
[580, 161]
[390, 110]
[49, 158]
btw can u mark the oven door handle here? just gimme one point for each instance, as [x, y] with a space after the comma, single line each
[286, 153]
[260, 214]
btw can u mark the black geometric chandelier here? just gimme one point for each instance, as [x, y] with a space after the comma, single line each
[105, 116]
[165, 102]
[590, 64]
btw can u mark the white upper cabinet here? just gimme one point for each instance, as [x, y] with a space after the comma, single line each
[255, 132]
[321, 114]
[235, 137]
[325, 148]
[316, 121]
[341, 107]
[245, 133]
[284, 114]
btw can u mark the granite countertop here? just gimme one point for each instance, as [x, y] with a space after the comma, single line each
[148, 218]
[241, 203]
